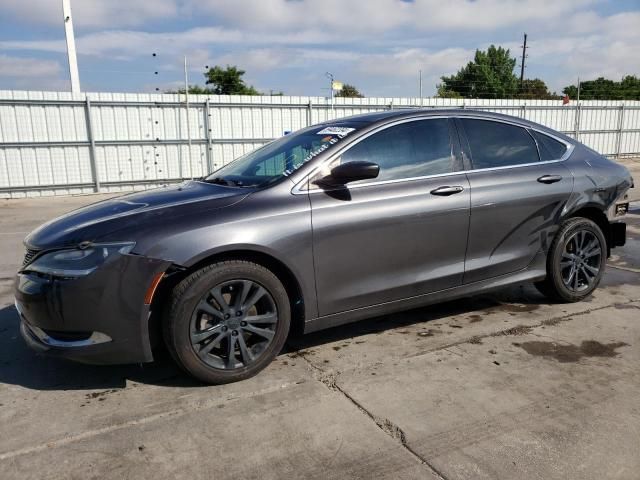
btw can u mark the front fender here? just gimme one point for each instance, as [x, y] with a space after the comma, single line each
[276, 226]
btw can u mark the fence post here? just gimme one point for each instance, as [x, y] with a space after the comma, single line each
[207, 136]
[92, 144]
[620, 125]
[391, 104]
[309, 113]
[524, 111]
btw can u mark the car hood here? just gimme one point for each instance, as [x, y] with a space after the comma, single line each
[157, 206]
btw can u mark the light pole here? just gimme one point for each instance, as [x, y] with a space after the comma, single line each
[71, 46]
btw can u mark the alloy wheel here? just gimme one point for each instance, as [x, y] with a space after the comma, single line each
[233, 324]
[580, 263]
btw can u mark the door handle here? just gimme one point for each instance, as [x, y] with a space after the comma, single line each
[549, 179]
[445, 191]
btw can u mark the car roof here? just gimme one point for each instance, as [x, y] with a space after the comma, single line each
[375, 118]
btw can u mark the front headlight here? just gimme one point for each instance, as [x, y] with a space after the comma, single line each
[77, 262]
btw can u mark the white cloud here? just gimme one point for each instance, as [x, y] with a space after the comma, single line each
[17, 67]
[133, 43]
[298, 15]
[378, 43]
[56, 46]
[395, 73]
[590, 47]
[269, 59]
[91, 13]
[408, 62]
[385, 15]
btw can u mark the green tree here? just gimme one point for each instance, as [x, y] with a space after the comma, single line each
[228, 81]
[489, 75]
[535, 89]
[444, 93]
[604, 89]
[630, 87]
[571, 91]
[349, 91]
[194, 90]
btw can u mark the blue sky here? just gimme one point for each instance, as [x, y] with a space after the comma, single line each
[288, 45]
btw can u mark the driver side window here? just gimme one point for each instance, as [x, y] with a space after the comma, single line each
[408, 150]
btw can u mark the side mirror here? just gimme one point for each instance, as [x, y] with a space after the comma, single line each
[351, 172]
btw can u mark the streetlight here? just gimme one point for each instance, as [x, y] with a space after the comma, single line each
[71, 46]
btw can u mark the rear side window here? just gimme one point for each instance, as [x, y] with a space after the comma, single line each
[412, 149]
[550, 149]
[496, 144]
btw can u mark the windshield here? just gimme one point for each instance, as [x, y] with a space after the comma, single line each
[281, 157]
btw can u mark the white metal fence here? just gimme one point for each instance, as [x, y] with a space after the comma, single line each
[55, 143]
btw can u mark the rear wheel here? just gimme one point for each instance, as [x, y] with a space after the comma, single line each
[576, 261]
[227, 321]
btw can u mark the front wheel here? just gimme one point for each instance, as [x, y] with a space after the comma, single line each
[227, 321]
[576, 261]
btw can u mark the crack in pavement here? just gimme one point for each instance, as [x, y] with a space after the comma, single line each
[329, 379]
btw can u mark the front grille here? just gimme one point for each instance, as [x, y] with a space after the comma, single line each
[28, 257]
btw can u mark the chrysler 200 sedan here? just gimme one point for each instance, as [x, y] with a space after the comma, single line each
[337, 222]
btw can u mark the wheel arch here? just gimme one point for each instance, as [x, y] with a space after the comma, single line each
[596, 215]
[177, 273]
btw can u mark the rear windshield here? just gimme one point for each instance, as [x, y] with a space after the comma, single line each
[281, 157]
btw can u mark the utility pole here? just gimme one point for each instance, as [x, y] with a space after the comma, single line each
[420, 85]
[71, 46]
[524, 55]
[330, 77]
[577, 119]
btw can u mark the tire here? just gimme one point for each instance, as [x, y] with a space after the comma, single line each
[214, 331]
[572, 253]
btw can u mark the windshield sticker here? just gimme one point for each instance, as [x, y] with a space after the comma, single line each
[340, 131]
[313, 154]
[332, 136]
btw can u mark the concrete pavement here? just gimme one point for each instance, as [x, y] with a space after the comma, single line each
[499, 386]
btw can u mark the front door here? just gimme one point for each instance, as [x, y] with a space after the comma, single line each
[396, 236]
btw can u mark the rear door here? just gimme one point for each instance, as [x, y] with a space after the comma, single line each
[396, 236]
[516, 196]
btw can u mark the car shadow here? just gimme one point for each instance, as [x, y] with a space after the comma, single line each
[19, 365]
[518, 299]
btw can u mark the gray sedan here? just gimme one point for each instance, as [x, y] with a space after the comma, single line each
[337, 222]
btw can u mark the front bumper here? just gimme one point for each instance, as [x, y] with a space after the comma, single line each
[100, 318]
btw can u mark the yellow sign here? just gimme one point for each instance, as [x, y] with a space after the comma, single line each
[337, 85]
